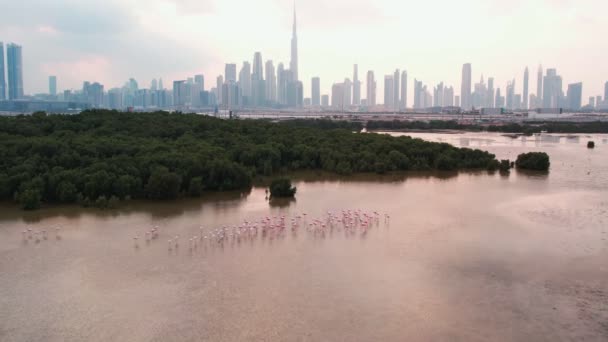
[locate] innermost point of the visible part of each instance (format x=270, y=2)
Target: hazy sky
x=112, y=40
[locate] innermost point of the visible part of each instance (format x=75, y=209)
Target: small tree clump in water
x=538, y=161
x=282, y=188
x=591, y=144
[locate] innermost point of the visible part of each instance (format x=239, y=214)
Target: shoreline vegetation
x=529, y=128
x=100, y=157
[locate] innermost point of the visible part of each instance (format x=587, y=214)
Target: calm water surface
x=467, y=257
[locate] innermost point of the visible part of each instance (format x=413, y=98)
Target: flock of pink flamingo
x=349, y=222
x=38, y=235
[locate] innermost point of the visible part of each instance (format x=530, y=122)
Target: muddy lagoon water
x=463, y=257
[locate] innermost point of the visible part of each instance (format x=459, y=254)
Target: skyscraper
x=2, y=79
x=325, y=100
x=417, y=88
x=438, y=95
x=448, y=96
x=356, y=86
x=511, y=95
x=465, y=87
x=281, y=84
x=575, y=96
x=230, y=73
x=403, y=102
x=337, y=96
x=258, y=87
x=53, y=85
x=348, y=92
x=389, y=92
x=258, y=69
x=14, y=64
x=219, y=85
x=606, y=92
x=245, y=83
x=396, y=92
x=271, y=82
x=196, y=90
x=293, y=65
x=539, y=87
x=316, y=91
x=525, y=99
x=179, y=88
x=371, y=89
x=490, y=97
x=552, y=89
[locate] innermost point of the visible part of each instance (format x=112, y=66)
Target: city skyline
x=444, y=69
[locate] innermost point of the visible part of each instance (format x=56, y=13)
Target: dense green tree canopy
x=114, y=155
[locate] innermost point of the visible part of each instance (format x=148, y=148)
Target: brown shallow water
x=467, y=257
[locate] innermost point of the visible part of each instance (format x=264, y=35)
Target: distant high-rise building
x=14, y=63
x=245, y=83
x=591, y=101
x=230, y=73
x=517, y=101
x=438, y=95
x=525, y=95
x=575, y=96
x=337, y=96
x=2, y=77
x=271, y=83
x=348, y=92
x=490, y=95
x=598, y=101
x=258, y=69
x=219, y=86
x=258, y=86
x=396, y=90
x=417, y=90
x=606, y=92
x=479, y=96
x=160, y=84
x=53, y=85
x=403, y=100
x=324, y=100
x=448, y=96
x=465, y=87
x=293, y=65
x=282, y=84
x=153, y=84
x=511, y=95
x=2, y=74
x=552, y=89
x=295, y=94
x=356, y=86
x=93, y=94
x=389, y=92
x=539, y=87
x=533, y=99
x=316, y=91
x=457, y=101
x=196, y=90
x=371, y=89
x=499, y=102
